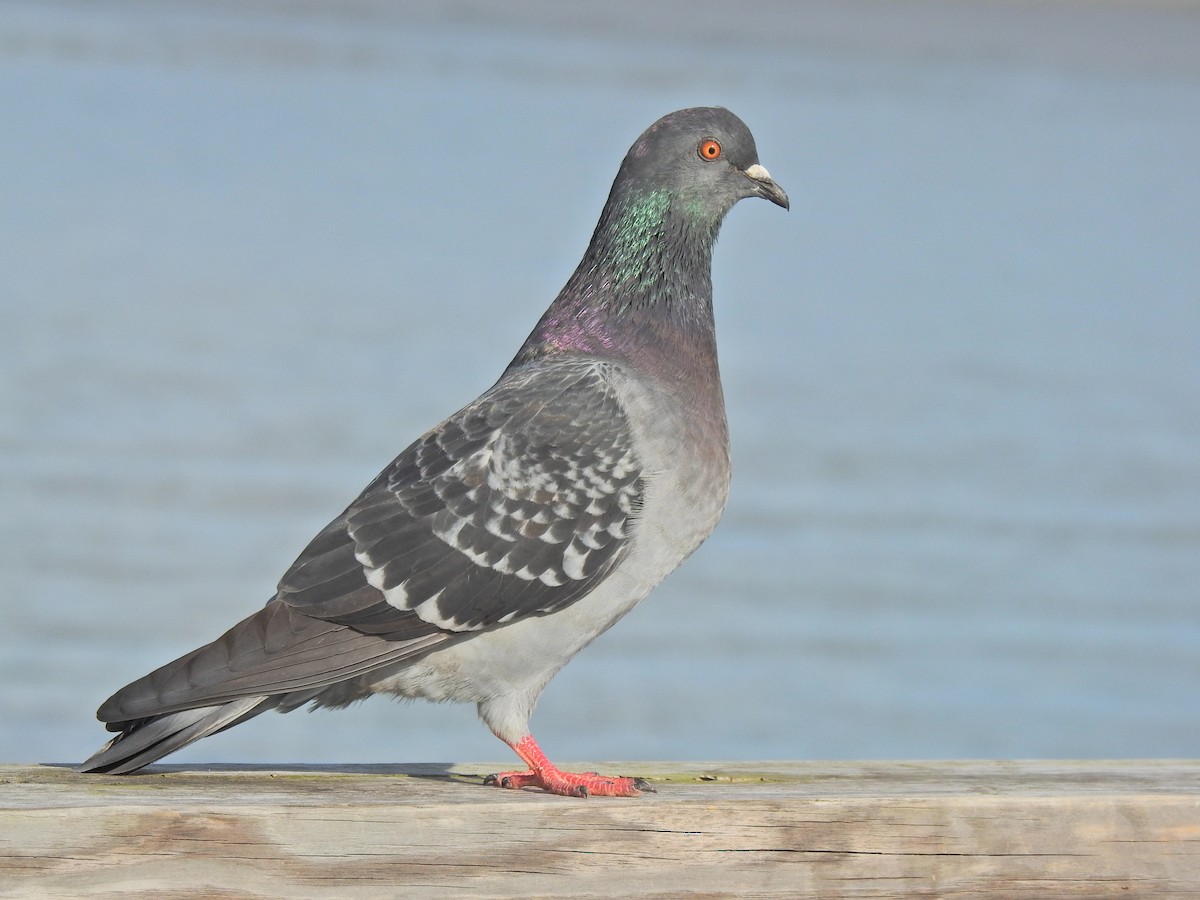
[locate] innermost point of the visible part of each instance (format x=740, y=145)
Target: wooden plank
x=889, y=829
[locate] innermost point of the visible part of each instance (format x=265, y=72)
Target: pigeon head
x=645, y=280
x=703, y=158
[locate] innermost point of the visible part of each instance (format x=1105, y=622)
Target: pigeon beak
x=764, y=186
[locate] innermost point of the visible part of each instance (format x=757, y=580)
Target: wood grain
x=888, y=829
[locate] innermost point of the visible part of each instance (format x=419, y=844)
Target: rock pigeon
x=506, y=539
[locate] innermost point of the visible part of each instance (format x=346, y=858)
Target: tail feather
x=144, y=741
x=275, y=658
x=277, y=650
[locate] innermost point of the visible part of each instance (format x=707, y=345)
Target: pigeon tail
x=146, y=740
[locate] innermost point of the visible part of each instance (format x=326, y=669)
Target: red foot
x=571, y=784
x=545, y=775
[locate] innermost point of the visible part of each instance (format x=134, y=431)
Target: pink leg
x=545, y=775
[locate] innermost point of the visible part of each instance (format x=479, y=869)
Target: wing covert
x=517, y=505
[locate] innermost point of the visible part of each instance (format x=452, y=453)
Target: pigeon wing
x=517, y=505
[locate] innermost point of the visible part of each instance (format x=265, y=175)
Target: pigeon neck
x=644, y=284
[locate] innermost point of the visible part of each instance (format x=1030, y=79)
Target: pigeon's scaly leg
x=545, y=775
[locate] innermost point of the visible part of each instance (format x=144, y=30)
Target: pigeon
x=507, y=538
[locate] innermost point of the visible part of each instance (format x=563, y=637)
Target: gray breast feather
x=517, y=505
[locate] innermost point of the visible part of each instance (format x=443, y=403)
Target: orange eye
x=709, y=149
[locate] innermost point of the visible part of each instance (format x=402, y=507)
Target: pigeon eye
x=709, y=149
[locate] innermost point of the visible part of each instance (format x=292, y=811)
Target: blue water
x=248, y=255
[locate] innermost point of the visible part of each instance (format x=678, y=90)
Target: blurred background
x=250, y=250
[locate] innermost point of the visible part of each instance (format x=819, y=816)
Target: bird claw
x=570, y=784
x=547, y=776
x=512, y=780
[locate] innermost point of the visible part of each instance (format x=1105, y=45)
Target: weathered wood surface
x=887, y=829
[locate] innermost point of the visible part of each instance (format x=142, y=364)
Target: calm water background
x=249, y=253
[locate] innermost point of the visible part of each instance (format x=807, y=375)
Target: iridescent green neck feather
x=645, y=279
